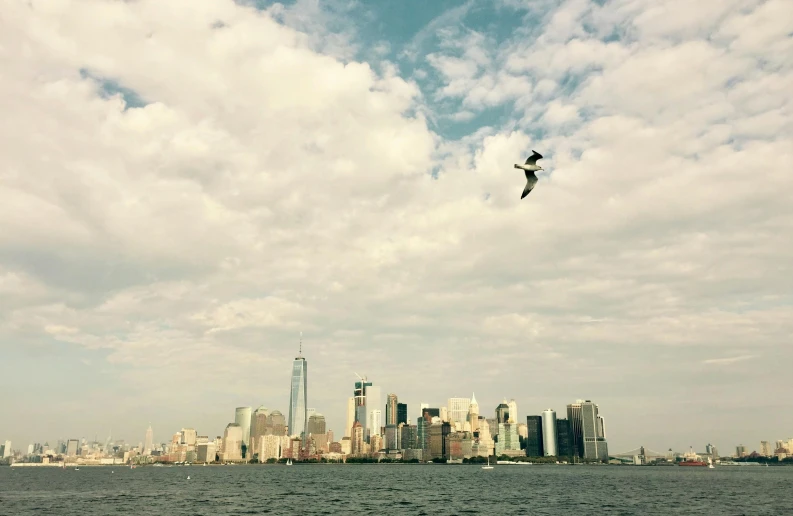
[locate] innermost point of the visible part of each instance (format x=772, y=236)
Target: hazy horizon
x=187, y=185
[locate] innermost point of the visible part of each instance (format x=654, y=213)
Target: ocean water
x=395, y=489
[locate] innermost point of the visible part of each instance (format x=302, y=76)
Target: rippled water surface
x=395, y=489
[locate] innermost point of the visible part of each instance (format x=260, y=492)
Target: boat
x=77, y=469
x=488, y=464
x=288, y=462
x=692, y=463
x=710, y=464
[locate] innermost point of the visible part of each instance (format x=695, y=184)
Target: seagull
x=530, y=167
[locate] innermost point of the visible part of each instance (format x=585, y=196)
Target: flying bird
x=530, y=167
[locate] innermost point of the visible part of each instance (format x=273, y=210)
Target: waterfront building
x=459, y=445
x=458, y=409
x=298, y=397
x=205, y=452
x=350, y=416
x=549, y=432
x=269, y=447
x=565, y=446
x=740, y=451
x=316, y=424
x=534, y=441
x=444, y=414
x=765, y=449
x=588, y=430
x=71, y=447
x=402, y=413
x=391, y=410
x=232, y=443
x=149, y=441
x=374, y=412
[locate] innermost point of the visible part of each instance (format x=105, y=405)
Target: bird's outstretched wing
x=533, y=158
x=531, y=180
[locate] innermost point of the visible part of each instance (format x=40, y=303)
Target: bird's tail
x=516, y=165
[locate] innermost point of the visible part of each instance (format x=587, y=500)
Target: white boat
x=288, y=462
x=488, y=464
x=710, y=464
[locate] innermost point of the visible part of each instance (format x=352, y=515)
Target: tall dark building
x=423, y=434
x=564, y=439
x=402, y=413
x=576, y=426
x=409, y=437
x=534, y=437
x=502, y=413
x=433, y=412
x=588, y=429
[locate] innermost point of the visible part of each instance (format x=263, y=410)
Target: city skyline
x=187, y=185
x=584, y=424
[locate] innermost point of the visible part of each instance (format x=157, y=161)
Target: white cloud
x=273, y=184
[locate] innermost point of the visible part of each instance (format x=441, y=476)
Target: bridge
x=644, y=454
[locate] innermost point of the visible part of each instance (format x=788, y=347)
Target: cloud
x=726, y=361
x=271, y=181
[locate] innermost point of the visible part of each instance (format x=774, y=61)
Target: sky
x=185, y=186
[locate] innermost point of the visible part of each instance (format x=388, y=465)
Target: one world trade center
x=298, y=397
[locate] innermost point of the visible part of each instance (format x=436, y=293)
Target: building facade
x=549, y=432
x=534, y=446
x=298, y=397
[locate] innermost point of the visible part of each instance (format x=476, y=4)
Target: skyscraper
x=298, y=398
x=258, y=427
x=502, y=412
x=359, y=394
x=513, y=410
x=232, y=443
x=391, y=409
x=350, y=416
x=473, y=414
x=592, y=432
x=458, y=412
x=576, y=426
x=534, y=446
x=549, y=432
x=374, y=411
x=402, y=413
x=316, y=424
x=564, y=439
x=149, y=441
x=242, y=416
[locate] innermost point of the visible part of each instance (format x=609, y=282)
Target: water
x=394, y=489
